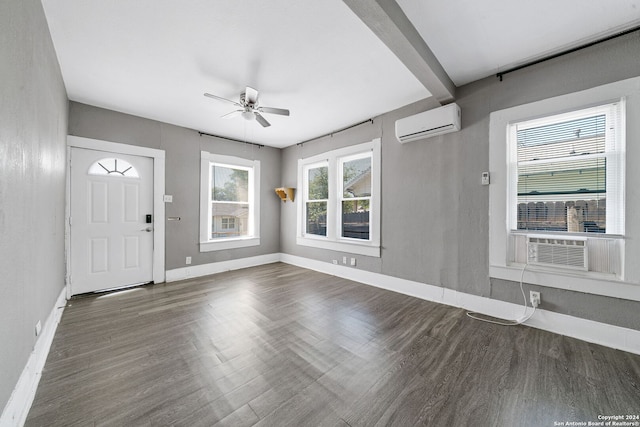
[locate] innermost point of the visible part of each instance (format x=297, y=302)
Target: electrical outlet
x=187, y=260
x=344, y=260
x=353, y=262
x=534, y=297
x=335, y=262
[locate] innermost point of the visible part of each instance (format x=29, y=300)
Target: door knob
x=148, y=229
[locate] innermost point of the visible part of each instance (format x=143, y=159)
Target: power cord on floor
x=505, y=322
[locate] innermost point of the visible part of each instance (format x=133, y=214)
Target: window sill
x=352, y=247
x=225, y=244
x=579, y=281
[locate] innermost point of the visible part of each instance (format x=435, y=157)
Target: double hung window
x=559, y=195
x=567, y=172
x=317, y=198
x=355, y=196
x=229, y=202
x=340, y=203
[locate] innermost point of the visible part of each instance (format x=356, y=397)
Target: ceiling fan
x=249, y=108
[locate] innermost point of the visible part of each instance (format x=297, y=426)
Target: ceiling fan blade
x=251, y=95
x=222, y=99
x=232, y=114
x=261, y=120
x=271, y=110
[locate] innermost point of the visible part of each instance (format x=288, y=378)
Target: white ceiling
x=156, y=58
x=474, y=39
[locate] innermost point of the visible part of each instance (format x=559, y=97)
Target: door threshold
x=113, y=290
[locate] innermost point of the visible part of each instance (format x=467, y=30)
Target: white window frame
x=334, y=240
x=340, y=193
x=614, y=155
x=207, y=244
x=626, y=284
x=305, y=196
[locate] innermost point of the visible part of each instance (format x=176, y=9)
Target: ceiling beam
x=387, y=20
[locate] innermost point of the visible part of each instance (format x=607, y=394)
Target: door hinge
x=70, y=279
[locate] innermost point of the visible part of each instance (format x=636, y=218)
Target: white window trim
x=253, y=239
x=614, y=155
x=622, y=286
x=340, y=193
x=333, y=240
x=305, y=194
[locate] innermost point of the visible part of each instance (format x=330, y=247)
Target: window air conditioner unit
x=559, y=252
x=430, y=123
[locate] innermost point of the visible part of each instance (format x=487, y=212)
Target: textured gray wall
x=182, y=149
x=33, y=127
x=438, y=180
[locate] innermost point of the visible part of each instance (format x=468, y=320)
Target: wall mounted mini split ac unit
x=429, y=123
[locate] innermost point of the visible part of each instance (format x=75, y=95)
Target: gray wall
x=438, y=180
x=182, y=149
x=33, y=127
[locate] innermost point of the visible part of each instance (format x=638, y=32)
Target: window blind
x=570, y=172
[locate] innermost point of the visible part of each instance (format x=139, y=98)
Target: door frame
x=158, y=157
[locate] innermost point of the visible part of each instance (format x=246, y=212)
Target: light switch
x=485, y=178
x=168, y=198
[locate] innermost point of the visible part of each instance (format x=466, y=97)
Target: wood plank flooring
x=278, y=345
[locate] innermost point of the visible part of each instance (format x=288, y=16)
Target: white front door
x=111, y=222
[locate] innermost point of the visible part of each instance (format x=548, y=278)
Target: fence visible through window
x=571, y=216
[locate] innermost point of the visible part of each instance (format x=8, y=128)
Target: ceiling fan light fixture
x=249, y=108
x=248, y=115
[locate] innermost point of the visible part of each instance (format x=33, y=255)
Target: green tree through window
x=318, y=179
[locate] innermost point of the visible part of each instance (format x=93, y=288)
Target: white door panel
x=111, y=243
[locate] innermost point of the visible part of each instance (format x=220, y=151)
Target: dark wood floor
x=278, y=345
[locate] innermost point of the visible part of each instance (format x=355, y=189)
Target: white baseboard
x=219, y=267
x=17, y=408
x=587, y=330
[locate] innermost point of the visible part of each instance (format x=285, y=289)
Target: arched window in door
x=113, y=167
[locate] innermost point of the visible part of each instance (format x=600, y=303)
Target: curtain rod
x=230, y=139
x=566, y=52
x=299, y=144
